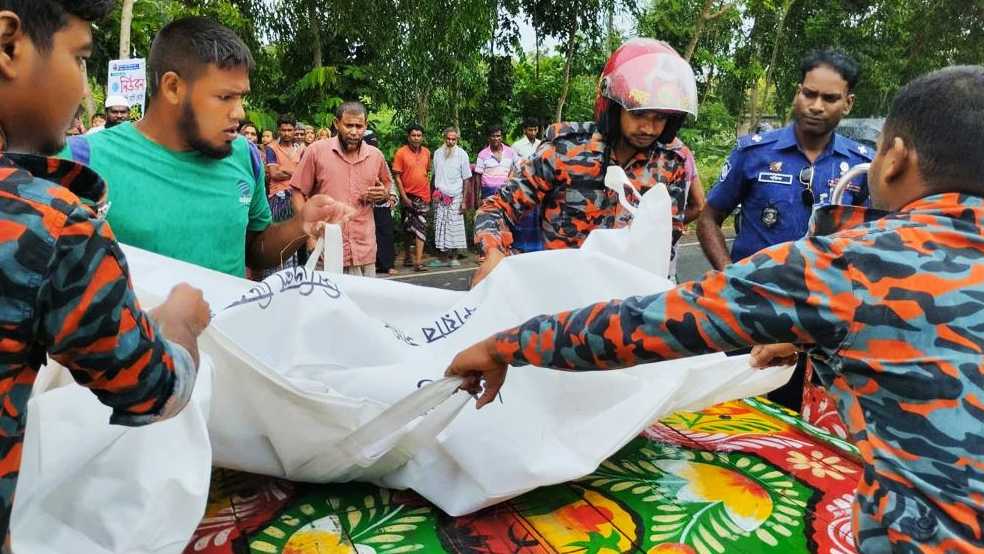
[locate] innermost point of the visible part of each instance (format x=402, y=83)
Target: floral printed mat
x=741, y=477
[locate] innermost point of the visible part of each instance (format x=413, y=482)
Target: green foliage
x=895, y=40
x=444, y=62
x=98, y=91
x=711, y=136
x=263, y=119
x=536, y=90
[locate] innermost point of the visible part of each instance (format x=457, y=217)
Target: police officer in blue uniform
x=778, y=177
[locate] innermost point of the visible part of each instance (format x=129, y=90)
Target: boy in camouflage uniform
x=64, y=285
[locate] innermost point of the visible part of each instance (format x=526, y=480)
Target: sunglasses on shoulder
x=806, y=179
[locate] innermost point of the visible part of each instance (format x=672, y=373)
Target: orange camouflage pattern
x=565, y=178
x=65, y=293
x=890, y=310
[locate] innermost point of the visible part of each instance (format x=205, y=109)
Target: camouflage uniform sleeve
x=529, y=184
x=678, y=180
x=800, y=292
x=91, y=323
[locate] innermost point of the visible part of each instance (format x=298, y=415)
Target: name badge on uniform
x=775, y=178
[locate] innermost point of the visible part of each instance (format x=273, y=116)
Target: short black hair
x=415, y=127
x=188, y=45
x=41, y=19
x=531, y=122
x=941, y=115
x=493, y=129
x=847, y=67
x=98, y=114
x=286, y=119
x=353, y=108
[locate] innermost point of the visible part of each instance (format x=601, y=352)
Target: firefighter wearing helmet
x=644, y=94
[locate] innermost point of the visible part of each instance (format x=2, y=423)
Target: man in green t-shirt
x=182, y=181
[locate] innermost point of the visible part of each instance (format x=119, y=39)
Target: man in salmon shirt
x=352, y=172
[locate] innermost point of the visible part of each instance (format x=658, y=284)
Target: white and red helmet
x=647, y=74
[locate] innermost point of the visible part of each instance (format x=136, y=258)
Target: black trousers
x=385, y=236
x=789, y=395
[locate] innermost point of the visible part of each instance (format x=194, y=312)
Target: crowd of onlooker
x=429, y=194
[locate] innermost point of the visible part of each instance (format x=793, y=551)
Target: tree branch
x=724, y=9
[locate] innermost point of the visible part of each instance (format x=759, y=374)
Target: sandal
x=407, y=262
x=420, y=268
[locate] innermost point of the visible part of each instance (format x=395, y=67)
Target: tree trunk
x=315, y=32
x=753, y=107
x=126, y=18
x=455, y=120
x=87, y=102
x=705, y=16
x=567, y=66
x=609, y=28
x=698, y=30
x=772, y=61
x=423, y=105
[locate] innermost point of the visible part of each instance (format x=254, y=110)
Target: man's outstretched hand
x=476, y=364
x=774, y=355
x=321, y=209
x=182, y=317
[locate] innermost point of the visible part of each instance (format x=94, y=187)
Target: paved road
x=692, y=264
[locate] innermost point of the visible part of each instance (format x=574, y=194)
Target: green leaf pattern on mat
x=708, y=502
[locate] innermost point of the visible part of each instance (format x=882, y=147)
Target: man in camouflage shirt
x=888, y=304
x=646, y=91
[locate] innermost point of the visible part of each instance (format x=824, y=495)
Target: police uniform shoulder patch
x=753, y=140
